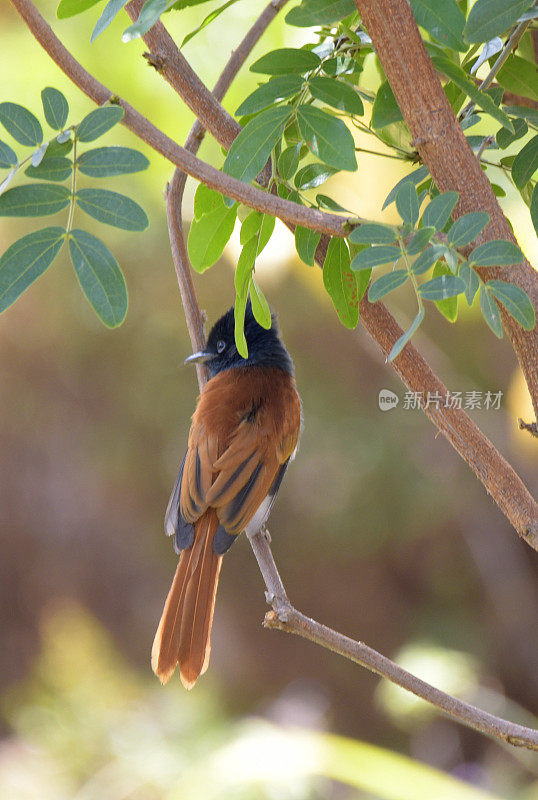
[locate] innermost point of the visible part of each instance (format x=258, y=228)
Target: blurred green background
x=380, y=530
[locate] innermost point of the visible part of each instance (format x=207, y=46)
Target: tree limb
x=176, y=188
x=442, y=146
x=285, y=617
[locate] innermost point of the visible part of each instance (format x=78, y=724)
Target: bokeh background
x=380, y=530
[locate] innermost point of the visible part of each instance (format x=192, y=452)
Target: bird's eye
x=221, y=346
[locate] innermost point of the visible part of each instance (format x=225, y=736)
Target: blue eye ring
x=221, y=345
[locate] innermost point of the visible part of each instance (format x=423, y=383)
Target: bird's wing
x=252, y=466
x=239, y=448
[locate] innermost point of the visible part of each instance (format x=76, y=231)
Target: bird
x=244, y=433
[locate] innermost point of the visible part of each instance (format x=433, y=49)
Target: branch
x=442, y=146
x=176, y=188
x=510, y=45
x=285, y=617
x=311, y=218
x=489, y=466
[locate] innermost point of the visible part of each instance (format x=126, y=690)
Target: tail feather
x=184, y=633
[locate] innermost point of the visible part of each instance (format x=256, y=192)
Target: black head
x=265, y=348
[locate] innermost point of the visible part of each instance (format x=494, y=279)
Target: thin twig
x=285, y=617
x=510, y=45
x=176, y=188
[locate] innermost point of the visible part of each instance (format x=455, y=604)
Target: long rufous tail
x=184, y=633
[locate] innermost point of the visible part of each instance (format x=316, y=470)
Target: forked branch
x=284, y=616
x=498, y=477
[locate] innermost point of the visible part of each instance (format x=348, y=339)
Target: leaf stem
x=73, y=190
x=511, y=43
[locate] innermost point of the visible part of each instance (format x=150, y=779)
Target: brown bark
x=445, y=151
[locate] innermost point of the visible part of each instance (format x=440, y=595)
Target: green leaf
x=206, y=200
x=534, y=208
x=319, y=12
x=414, y=177
x=420, y=240
x=68, y=8
x=56, y=108
x=438, y=211
x=250, y=150
x=372, y=233
x=266, y=231
x=245, y=265
x=387, y=283
x=313, y=175
x=260, y=306
x=306, y=242
x=525, y=163
x=467, y=228
x=490, y=312
x=288, y=161
x=151, y=11
x=407, y=203
x=21, y=124
x=239, y=317
x=375, y=257
x=209, y=235
x=327, y=137
x=442, y=19
x=34, y=200
x=337, y=94
x=505, y=137
x=98, y=122
x=331, y=205
x=250, y=226
x=273, y=91
x=519, y=76
x=100, y=277
x=461, y=79
x=55, y=168
x=105, y=162
x=206, y=21
x=426, y=259
x=286, y=60
x=363, y=280
x=26, y=260
x=341, y=283
x=523, y=112
x=112, y=8
x=8, y=157
x=442, y=287
x=496, y=253
x=471, y=281
x=448, y=307
x=112, y=209
x=516, y=302
x=490, y=18
x=385, y=110
x=399, y=345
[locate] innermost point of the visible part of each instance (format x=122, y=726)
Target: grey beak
x=199, y=358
